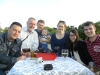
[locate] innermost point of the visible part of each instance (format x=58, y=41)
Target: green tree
x=0, y=30
x=70, y=27
x=5, y=29
x=97, y=24
x=51, y=30
x=81, y=32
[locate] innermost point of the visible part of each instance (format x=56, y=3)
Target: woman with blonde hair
x=58, y=40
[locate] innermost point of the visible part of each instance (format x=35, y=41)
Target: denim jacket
x=8, y=53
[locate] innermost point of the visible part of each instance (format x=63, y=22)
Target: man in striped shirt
x=93, y=42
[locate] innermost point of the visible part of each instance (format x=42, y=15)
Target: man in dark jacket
x=10, y=47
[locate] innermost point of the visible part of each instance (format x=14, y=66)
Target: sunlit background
x=74, y=12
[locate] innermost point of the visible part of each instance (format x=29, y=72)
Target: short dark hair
x=88, y=23
x=15, y=23
x=42, y=21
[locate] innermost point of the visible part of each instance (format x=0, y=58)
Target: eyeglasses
x=71, y=35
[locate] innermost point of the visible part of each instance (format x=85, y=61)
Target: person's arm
x=83, y=53
x=6, y=59
x=45, y=40
x=89, y=58
x=87, y=53
x=52, y=43
x=18, y=54
x=9, y=60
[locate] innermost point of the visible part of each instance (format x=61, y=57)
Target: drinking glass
x=57, y=48
x=32, y=52
x=65, y=53
x=35, y=52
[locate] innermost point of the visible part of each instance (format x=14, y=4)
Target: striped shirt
x=94, y=50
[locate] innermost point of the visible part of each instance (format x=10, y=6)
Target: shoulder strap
x=25, y=38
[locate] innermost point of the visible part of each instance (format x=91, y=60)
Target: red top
x=94, y=50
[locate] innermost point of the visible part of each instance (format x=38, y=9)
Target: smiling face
x=14, y=32
x=31, y=24
x=72, y=36
x=89, y=30
x=40, y=26
x=61, y=27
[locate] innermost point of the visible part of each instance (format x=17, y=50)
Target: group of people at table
x=18, y=38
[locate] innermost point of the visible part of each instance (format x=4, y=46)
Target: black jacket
x=8, y=53
x=82, y=51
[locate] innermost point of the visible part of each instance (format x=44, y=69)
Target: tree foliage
x=81, y=32
x=51, y=30
x=97, y=24
x=5, y=29
x=1, y=30
x=70, y=27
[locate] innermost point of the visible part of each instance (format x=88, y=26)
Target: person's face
x=40, y=26
x=31, y=24
x=89, y=30
x=14, y=32
x=61, y=27
x=44, y=32
x=72, y=36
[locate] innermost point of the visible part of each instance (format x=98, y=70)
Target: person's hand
x=56, y=48
x=91, y=66
x=49, y=37
x=92, y=69
x=27, y=54
x=21, y=58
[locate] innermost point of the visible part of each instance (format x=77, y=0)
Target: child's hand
x=49, y=37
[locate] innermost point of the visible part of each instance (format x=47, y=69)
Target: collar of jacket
x=6, y=40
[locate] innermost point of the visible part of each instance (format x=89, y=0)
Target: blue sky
x=73, y=12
